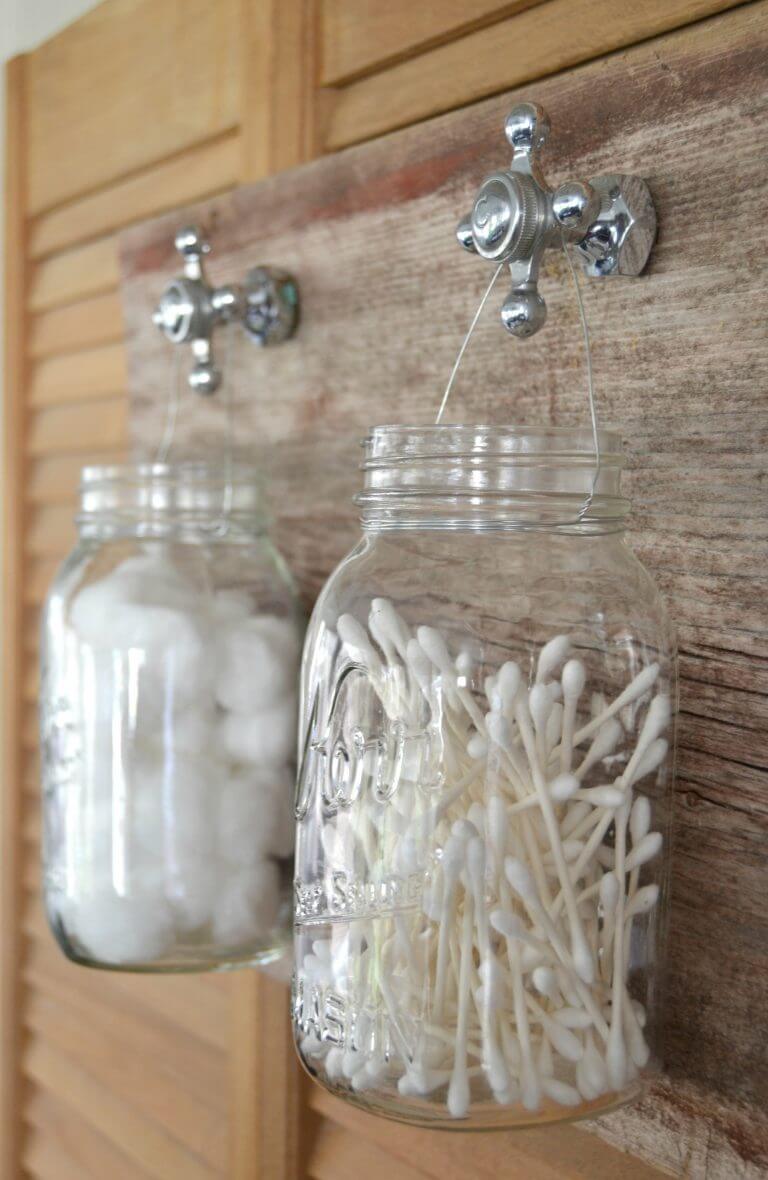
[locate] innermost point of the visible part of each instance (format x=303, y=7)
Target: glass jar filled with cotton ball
x=484, y=794
x=171, y=645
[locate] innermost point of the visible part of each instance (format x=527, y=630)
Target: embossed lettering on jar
x=171, y=644
x=483, y=802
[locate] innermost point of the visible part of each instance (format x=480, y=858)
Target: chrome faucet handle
x=190, y=308
x=516, y=216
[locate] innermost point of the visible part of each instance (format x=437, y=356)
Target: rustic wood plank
x=191, y=175
x=78, y=376
x=358, y=36
x=13, y=475
x=150, y=1147
x=146, y=110
x=536, y=42
x=74, y=274
x=97, y=426
x=669, y=378
x=94, y=321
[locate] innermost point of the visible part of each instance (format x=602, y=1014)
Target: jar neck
x=492, y=478
x=189, y=501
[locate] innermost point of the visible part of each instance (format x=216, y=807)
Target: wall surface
x=141, y=108
x=383, y=312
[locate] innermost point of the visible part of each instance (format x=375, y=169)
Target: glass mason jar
x=484, y=791
x=170, y=653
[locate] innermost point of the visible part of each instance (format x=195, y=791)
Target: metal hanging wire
x=583, y=511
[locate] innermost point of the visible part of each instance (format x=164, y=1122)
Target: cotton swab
x=511, y=968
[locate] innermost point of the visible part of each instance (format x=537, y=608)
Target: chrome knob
x=190, y=308
x=516, y=216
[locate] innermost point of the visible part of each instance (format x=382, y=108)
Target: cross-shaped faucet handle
x=190, y=308
x=516, y=216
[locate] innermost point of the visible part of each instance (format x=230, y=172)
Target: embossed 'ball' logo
x=354, y=746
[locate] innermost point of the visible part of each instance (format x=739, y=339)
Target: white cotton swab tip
x=458, y=1094
x=551, y=656
x=651, y=759
x=640, y=818
x=432, y=642
x=607, y=738
x=608, y=891
x=563, y=787
x=648, y=847
x=540, y=705
x=545, y=981
x=519, y=878
x=573, y=679
x=560, y=1092
x=508, y=924
x=508, y=683
x=498, y=730
x=477, y=747
x=355, y=636
x=603, y=796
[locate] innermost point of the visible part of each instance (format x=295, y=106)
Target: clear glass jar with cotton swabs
x=171, y=644
x=483, y=804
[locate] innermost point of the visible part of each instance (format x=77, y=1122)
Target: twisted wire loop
x=584, y=510
x=222, y=527
x=171, y=409
x=165, y=445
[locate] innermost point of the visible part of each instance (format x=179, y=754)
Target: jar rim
x=191, y=491
x=488, y=476
x=487, y=438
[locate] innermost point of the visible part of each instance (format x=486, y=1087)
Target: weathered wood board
x=680, y=358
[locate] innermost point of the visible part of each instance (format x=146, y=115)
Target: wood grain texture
x=358, y=36
x=679, y=357
x=190, y=175
x=13, y=475
x=537, y=42
x=125, y=86
x=279, y=111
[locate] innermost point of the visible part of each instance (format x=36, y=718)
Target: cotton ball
x=256, y=663
x=255, y=816
x=155, y=620
x=190, y=730
x=153, y=579
x=247, y=905
x=231, y=606
x=193, y=893
x=267, y=738
x=120, y=930
x=171, y=806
